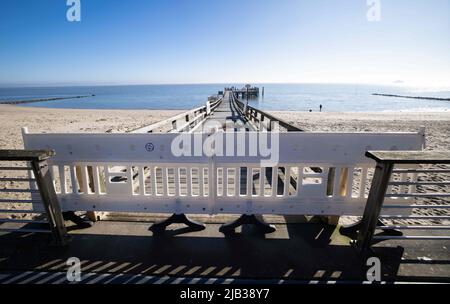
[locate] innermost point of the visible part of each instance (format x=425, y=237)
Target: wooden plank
x=50, y=200
x=440, y=171
x=22, y=230
x=15, y=168
x=410, y=157
x=415, y=227
x=411, y=237
x=19, y=211
x=168, y=122
x=419, y=183
x=20, y=201
x=19, y=190
x=419, y=195
x=416, y=206
x=26, y=155
x=14, y=179
x=21, y=221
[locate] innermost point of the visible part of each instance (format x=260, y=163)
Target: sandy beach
x=12, y=118
x=437, y=124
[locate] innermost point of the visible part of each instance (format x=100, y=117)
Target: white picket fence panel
x=317, y=173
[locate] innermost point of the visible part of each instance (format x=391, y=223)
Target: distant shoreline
x=412, y=97
x=14, y=102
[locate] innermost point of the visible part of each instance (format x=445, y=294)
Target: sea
x=285, y=97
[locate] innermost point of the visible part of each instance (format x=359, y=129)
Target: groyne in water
x=14, y=102
x=412, y=97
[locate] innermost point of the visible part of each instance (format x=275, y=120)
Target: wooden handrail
x=252, y=112
x=169, y=121
x=26, y=155
x=41, y=170
x=380, y=183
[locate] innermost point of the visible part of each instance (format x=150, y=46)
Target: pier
x=230, y=114
x=227, y=111
x=246, y=92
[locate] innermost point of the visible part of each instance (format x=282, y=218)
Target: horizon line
x=52, y=85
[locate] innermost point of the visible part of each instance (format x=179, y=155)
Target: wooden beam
x=374, y=205
x=410, y=157
x=50, y=201
x=26, y=155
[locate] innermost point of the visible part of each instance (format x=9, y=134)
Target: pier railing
x=264, y=120
x=398, y=169
x=183, y=122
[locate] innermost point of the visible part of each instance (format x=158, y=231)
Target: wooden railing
x=380, y=190
x=264, y=120
x=183, y=122
x=39, y=175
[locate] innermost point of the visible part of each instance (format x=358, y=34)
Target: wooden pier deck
x=229, y=115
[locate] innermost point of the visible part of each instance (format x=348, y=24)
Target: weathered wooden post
x=51, y=204
x=383, y=171
x=44, y=181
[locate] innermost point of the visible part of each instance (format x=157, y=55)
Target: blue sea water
x=298, y=97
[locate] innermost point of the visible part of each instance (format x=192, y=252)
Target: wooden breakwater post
x=412, y=97
x=14, y=102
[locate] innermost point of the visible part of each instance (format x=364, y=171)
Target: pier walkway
x=225, y=112
x=229, y=115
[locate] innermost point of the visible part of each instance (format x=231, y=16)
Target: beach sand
x=12, y=118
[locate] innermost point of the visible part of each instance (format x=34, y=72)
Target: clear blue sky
x=224, y=41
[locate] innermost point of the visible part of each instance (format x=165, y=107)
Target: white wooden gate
x=317, y=173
